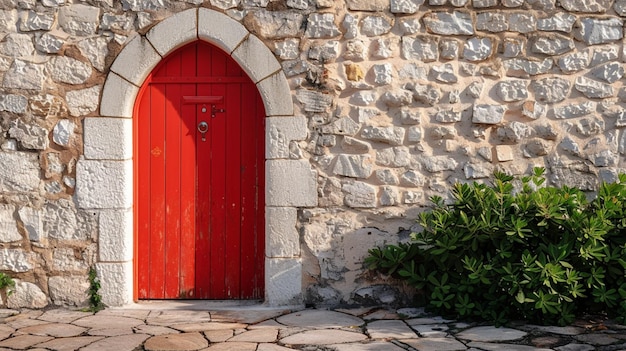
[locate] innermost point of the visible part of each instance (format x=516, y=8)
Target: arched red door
x=199, y=198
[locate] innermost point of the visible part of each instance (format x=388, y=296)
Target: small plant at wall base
x=95, y=300
x=532, y=252
x=6, y=284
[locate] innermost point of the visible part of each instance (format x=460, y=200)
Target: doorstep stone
x=490, y=333
x=176, y=342
x=435, y=344
x=169, y=318
x=323, y=337
x=393, y=329
x=319, y=319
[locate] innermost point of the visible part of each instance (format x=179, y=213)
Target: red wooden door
x=199, y=154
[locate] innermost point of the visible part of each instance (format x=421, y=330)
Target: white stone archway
x=105, y=171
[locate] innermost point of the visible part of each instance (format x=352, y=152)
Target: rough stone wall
x=402, y=99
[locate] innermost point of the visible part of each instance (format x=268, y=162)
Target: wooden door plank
x=172, y=190
x=142, y=244
x=203, y=270
x=218, y=198
x=157, y=191
x=233, y=146
x=188, y=177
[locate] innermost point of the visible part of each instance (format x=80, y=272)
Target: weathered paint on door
x=199, y=157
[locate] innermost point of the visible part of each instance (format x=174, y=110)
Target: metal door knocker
x=203, y=127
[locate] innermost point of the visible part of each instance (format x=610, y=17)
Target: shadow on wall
x=334, y=247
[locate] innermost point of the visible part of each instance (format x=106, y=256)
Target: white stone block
x=280, y=228
x=116, y=282
x=220, y=30
x=27, y=295
x=280, y=132
x=136, y=60
x=174, y=32
x=256, y=59
x=283, y=281
x=290, y=183
x=104, y=184
x=108, y=138
x=116, y=235
x=276, y=95
x=118, y=97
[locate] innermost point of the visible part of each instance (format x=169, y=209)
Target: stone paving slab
x=320, y=319
x=435, y=344
x=323, y=337
x=23, y=342
x=69, y=344
x=57, y=330
x=489, y=333
x=176, y=342
x=390, y=329
x=499, y=347
x=233, y=346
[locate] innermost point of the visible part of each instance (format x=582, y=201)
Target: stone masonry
x=372, y=107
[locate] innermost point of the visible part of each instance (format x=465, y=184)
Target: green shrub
x=532, y=252
x=6, y=284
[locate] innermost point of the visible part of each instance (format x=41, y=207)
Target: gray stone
x=342, y=126
x=298, y=4
x=390, y=329
x=589, y=126
x=8, y=20
x=420, y=48
x=20, y=172
x=552, y=45
x=314, y=101
x=8, y=225
x=359, y=195
x=373, y=26
x=405, y=6
x=349, y=144
x=514, y=132
x=225, y=4
x=491, y=22
x=522, y=22
x=72, y=290
x=478, y=49
x=412, y=178
x=574, y=62
x=397, y=98
x=368, y=5
x=356, y=166
x=575, y=110
x=489, y=333
x=488, y=114
x=355, y=50
x=276, y=24
x=445, y=73
x=383, y=73
x=389, y=196
x=443, y=132
x=31, y=21
x=598, y=6
x=30, y=136
x=350, y=26
x=594, y=31
x=620, y=7
x=287, y=49
x=410, y=117
x=520, y=67
x=561, y=21
x=512, y=90
x=16, y=260
x=501, y=346
x=474, y=89
x=448, y=116
x=323, y=337
x=409, y=26
x=534, y=110
x=455, y=23
x=68, y=70
x=84, y=101
x=537, y=147
x=412, y=197
x=78, y=19
x=475, y=171
x=15, y=103
x=68, y=259
x=575, y=347
x=363, y=98
x=429, y=94
x=449, y=49
x=393, y=157
x=24, y=75
x=32, y=220
x=604, y=54
x=384, y=48
x=610, y=72
x=116, y=23
x=551, y=90
x=62, y=132
x=389, y=135
x=61, y=221
x=326, y=52
x=593, y=89
x=26, y=295
x=437, y=164
x=143, y=5
x=17, y=45
x=96, y=51
x=386, y=176
x=321, y=25
x=415, y=134
x=370, y=346
x=50, y=42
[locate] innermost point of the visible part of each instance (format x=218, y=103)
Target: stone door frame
x=104, y=174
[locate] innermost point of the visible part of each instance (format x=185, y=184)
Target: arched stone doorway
x=105, y=172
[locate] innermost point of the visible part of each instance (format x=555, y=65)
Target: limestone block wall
x=400, y=99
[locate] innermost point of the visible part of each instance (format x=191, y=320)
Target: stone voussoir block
x=209, y=24
x=118, y=97
x=174, y=31
x=136, y=61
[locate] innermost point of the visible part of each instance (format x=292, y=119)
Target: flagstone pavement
x=167, y=326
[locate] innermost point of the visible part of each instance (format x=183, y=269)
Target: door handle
x=203, y=127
